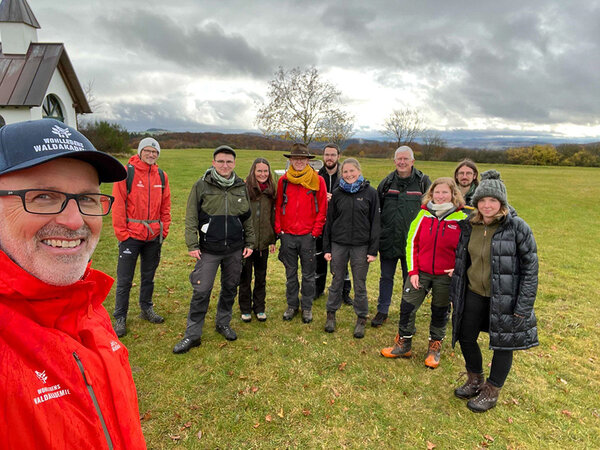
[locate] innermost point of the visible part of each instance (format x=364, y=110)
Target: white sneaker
x=261, y=316
x=246, y=317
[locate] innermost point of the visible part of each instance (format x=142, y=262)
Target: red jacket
x=300, y=215
x=49, y=335
x=146, y=201
x=431, y=242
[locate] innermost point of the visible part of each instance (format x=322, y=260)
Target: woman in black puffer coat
x=493, y=289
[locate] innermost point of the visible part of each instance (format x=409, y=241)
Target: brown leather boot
x=471, y=387
x=330, y=322
x=487, y=398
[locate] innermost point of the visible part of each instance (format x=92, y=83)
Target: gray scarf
x=441, y=209
x=222, y=181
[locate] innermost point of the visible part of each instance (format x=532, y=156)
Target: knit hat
x=490, y=186
x=148, y=142
x=35, y=142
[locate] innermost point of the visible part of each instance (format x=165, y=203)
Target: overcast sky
x=519, y=66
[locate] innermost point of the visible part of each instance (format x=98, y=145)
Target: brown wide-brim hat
x=299, y=151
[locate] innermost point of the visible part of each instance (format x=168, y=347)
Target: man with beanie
x=330, y=173
x=218, y=233
x=400, y=200
x=65, y=377
x=141, y=218
x=300, y=212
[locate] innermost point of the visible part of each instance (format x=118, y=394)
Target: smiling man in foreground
x=65, y=377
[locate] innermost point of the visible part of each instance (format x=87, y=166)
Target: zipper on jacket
x=437, y=229
x=226, y=215
x=88, y=385
x=149, y=192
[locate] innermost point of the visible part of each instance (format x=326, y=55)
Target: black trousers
x=476, y=318
x=129, y=250
x=254, y=299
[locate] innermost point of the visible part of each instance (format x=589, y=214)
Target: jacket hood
x=136, y=162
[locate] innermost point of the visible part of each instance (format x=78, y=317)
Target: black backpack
x=131, y=173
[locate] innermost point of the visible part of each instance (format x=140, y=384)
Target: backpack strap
x=284, y=201
x=131, y=173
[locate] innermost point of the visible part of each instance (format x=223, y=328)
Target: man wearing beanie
x=141, y=218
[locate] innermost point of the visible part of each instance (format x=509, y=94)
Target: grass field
x=291, y=385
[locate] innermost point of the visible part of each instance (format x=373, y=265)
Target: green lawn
x=291, y=385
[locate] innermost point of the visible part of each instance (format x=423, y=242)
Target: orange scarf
x=306, y=177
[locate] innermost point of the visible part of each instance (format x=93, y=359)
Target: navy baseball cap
x=28, y=144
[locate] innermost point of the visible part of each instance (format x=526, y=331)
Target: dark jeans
x=340, y=255
x=412, y=299
x=321, y=271
x=202, y=279
x=476, y=318
x=254, y=300
x=149, y=252
x=386, y=281
x=293, y=247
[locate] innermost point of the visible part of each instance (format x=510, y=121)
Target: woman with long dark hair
x=493, y=290
x=261, y=190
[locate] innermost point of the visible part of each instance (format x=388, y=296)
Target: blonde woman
x=430, y=252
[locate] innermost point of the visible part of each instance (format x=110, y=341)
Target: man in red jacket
x=141, y=218
x=300, y=212
x=65, y=377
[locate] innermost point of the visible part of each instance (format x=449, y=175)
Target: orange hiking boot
x=432, y=360
x=401, y=349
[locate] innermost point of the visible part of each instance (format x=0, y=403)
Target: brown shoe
x=330, y=322
x=359, y=328
x=401, y=349
x=487, y=398
x=432, y=360
x=471, y=387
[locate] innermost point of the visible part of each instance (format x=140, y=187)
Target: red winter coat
x=49, y=335
x=146, y=201
x=431, y=242
x=300, y=215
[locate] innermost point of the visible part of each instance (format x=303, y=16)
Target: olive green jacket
x=217, y=218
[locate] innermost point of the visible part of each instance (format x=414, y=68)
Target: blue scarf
x=354, y=187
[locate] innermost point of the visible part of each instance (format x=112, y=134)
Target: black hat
x=224, y=149
x=299, y=151
x=35, y=142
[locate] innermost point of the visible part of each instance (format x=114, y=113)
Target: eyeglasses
x=46, y=201
x=223, y=162
x=152, y=152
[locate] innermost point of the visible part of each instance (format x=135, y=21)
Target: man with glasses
x=300, y=212
x=218, y=233
x=141, y=218
x=66, y=380
x=465, y=175
x=400, y=200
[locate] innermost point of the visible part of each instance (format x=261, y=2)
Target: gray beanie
x=148, y=142
x=490, y=186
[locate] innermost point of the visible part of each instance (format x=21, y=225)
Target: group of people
x=67, y=372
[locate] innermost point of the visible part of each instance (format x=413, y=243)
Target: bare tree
x=95, y=104
x=403, y=125
x=432, y=139
x=338, y=128
x=299, y=104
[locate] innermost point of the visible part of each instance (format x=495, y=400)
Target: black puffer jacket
x=353, y=219
x=514, y=285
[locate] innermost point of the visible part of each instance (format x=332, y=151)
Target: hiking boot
x=471, y=387
x=121, y=326
x=487, y=398
x=226, y=332
x=359, y=328
x=432, y=360
x=378, y=319
x=289, y=313
x=185, y=345
x=346, y=293
x=330, y=323
x=261, y=316
x=307, y=316
x=401, y=349
x=246, y=317
x=151, y=316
